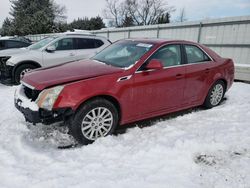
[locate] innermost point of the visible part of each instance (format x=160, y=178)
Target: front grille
x=31, y=93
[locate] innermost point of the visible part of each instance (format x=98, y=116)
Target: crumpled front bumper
x=34, y=114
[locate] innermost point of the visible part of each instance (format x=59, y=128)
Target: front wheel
x=215, y=94
x=97, y=118
x=21, y=70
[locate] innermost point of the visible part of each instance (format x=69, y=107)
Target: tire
x=21, y=70
x=96, y=118
x=215, y=94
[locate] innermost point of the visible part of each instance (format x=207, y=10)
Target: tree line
x=123, y=13
x=45, y=16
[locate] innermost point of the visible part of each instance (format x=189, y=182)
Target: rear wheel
x=21, y=71
x=215, y=94
x=97, y=118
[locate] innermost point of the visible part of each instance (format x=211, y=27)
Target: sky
x=194, y=9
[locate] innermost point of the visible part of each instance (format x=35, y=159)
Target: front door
x=160, y=90
x=65, y=52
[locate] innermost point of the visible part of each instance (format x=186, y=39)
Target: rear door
x=198, y=73
x=159, y=90
x=65, y=52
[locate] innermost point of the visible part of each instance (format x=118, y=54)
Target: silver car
x=50, y=51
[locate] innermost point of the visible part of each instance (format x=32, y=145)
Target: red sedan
x=128, y=81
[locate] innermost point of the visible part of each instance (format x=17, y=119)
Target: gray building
x=229, y=37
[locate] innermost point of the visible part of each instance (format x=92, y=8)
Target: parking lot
x=200, y=148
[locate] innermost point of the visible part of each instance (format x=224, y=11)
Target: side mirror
x=51, y=48
x=154, y=64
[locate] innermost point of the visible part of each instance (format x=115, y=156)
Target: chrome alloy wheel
x=24, y=72
x=97, y=123
x=216, y=94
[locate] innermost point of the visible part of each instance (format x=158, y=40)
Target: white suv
x=50, y=51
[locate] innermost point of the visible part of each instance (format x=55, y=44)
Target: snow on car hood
x=68, y=72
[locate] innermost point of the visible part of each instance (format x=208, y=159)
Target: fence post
x=199, y=32
x=108, y=34
x=158, y=31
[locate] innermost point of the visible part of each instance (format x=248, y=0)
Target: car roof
x=158, y=40
x=72, y=34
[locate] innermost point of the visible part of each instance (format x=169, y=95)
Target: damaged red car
x=130, y=80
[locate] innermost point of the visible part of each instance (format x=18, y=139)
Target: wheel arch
x=27, y=62
x=225, y=82
x=222, y=79
x=109, y=98
x=211, y=85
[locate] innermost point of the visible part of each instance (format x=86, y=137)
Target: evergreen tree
x=34, y=16
x=96, y=23
x=128, y=21
x=164, y=18
x=7, y=28
x=87, y=24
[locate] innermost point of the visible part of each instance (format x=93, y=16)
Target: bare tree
x=147, y=12
x=115, y=12
x=182, y=16
x=143, y=12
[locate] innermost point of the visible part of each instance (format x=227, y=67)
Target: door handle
x=71, y=54
x=179, y=76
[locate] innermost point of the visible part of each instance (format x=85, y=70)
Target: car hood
x=68, y=72
x=11, y=52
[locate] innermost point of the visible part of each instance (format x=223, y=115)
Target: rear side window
x=14, y=44
x=85, y=43
x=195, y=54
x=98, y=43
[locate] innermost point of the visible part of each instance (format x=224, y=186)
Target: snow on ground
x=200, y=148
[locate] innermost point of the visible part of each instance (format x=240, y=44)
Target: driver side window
x=169, y=55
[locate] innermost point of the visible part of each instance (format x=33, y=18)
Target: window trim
x=183, y=56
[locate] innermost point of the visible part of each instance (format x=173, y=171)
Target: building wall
x=229, y=37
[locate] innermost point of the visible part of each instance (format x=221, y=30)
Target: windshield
x=123, y=54
x=41, y=43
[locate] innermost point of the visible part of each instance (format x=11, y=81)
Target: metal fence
x=229, y=37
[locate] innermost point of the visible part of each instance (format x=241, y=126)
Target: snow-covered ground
x=200, y=148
